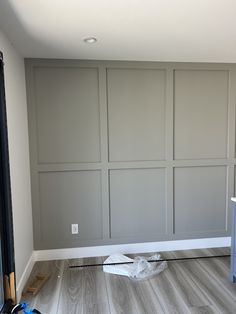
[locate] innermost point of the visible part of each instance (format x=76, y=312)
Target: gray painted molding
x=190, y=115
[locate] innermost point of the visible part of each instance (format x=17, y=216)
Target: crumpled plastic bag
x=140, y=268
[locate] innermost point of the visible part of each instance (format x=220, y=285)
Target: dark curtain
x=6, y=225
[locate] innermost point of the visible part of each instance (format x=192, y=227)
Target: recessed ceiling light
x=90, y=40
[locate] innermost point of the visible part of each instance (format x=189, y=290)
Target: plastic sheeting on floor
x=140, y=268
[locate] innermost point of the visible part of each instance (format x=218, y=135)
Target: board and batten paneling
x=131, y=151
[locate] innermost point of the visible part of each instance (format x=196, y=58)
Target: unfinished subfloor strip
x=151, y=261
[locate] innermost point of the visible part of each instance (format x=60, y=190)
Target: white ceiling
x=160, y=30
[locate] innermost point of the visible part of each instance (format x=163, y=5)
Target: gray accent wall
x=131, y=151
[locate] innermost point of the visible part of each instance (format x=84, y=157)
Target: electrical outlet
x=74, y=228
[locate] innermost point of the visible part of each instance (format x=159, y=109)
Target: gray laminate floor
x=196, y=286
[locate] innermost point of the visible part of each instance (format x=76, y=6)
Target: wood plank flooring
x=194, y=286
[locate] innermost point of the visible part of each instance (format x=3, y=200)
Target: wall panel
x=200, y=199
x=131, y=151
x=67, y=198
x=67, y=114
x=201, y=113
x=137, y=202
x=136, y=114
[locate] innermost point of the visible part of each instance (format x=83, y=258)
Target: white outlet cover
x=74, y=228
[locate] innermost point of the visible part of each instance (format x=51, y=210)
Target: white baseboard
x=43, y=255
x=25, y=276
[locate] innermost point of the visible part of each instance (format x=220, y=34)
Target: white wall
x=19, y=154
